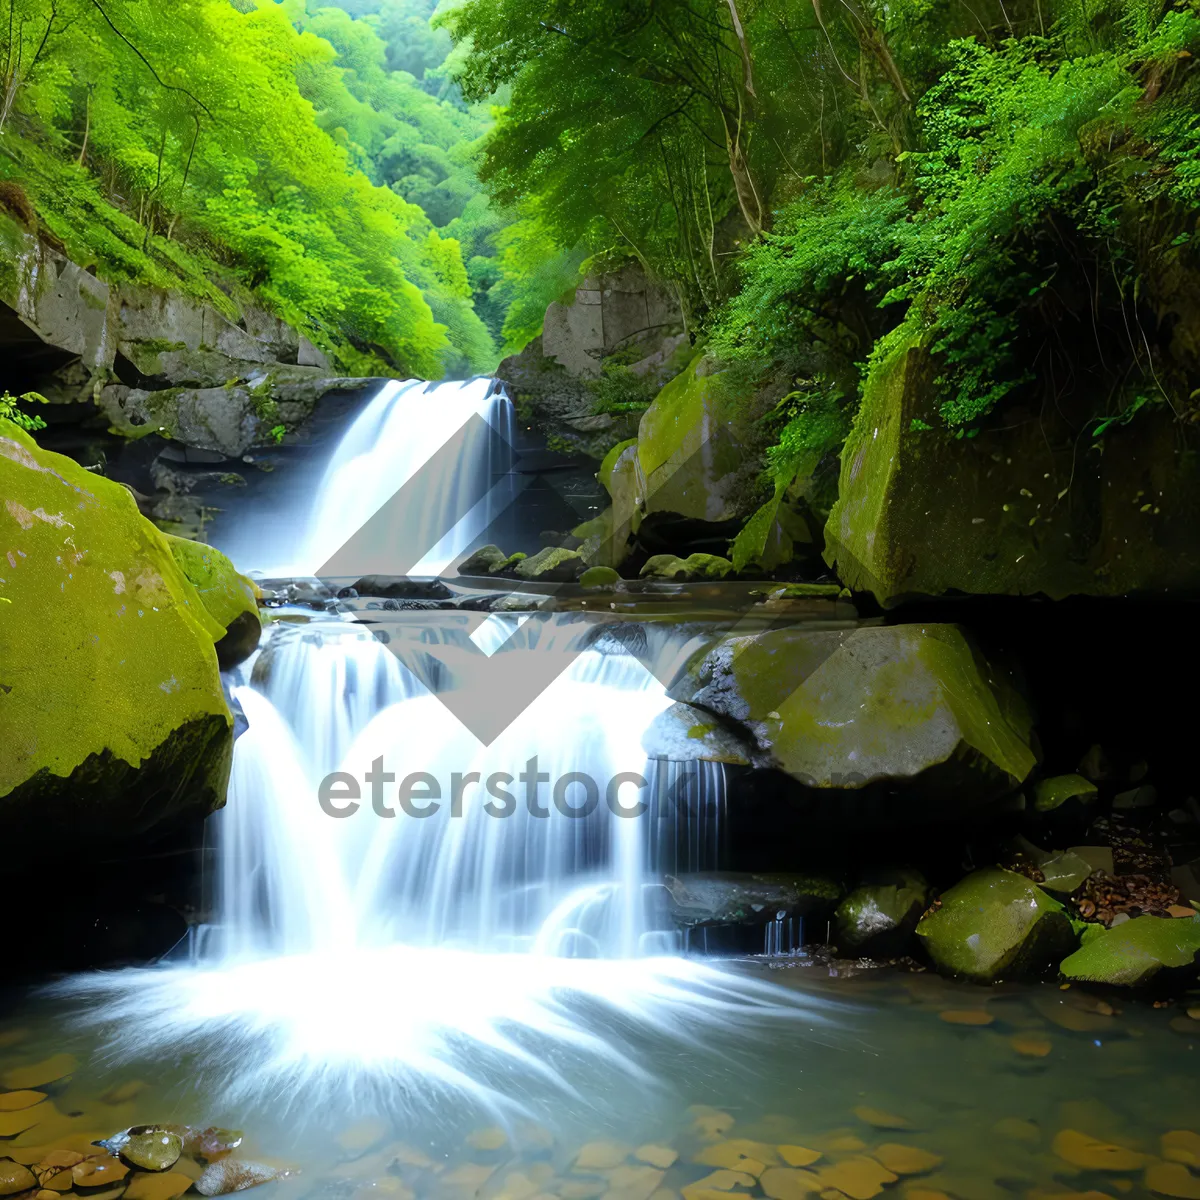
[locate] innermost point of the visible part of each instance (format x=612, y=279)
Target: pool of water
x=901, y=1082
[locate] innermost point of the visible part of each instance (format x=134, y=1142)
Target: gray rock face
x=611, y=313
x=228, y=420
x=214, y=380
x=728, y=898
x=621, y=318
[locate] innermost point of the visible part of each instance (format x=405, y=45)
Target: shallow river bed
x=879, y=1083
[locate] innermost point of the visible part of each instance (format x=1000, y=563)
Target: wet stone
x=662, y=1157
x=788, y=1183
x=15, y=1178
x=1081, y=1150
x=798, y=1156
x=1173, y=1179
x=906, y=1160
x=158, y=1185
x=233, y=1175
x=878, y=1119
x=600, y=1156
x=99, y=1171
x=152, y=1149
x=860, y=1177
x=1182, y=1145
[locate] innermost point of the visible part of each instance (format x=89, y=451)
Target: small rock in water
x=15, y=1178
x=600, y=1156
x=966, y=1016
x=123, y=1092
x=628, y=1182
x=98, y=1171
x=1018, y=1130
x=1091, y=1154
x=906, y=1160
x=878, y=1119
x=662, y=1157
x=152, y=1149
x=490, y=1139
x=709, y=1123
x=1031, y=1047
x=1182, y=1145
x=12, y=1101
x=860, y=1178
x=158, y=1185
x=361, y=1136
x=233, y=1175
x=788, y=1183
x=798, y=1156
x=718, y=1183
x=47, y=1071
x=1173, y=1179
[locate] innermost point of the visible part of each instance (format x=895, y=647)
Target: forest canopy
x=1013, y=183
x=318, y=160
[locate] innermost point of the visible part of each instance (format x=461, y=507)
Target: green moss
x=689, y=451
x=599, y=577
x=695, y=566
x=995, y=925
x=1134, y=952
x=225, y=594
x=879, y=918
x=105, y=646
x=551, y=564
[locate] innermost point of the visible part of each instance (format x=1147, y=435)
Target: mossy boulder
x=914, y=712
x=692, y=458
x=1027, y=505
x=114, y=720
x=606, y=539
x=996, y=925
x=228, y=596
x=551, y=565
x=878, y=918
x=695, y=566
x=599, y=577
x=1134, y=952
x=487, y=560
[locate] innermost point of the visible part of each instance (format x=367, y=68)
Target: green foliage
x=253, y=150
x=30, y=422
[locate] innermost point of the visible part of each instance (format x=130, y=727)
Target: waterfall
x=483, y=927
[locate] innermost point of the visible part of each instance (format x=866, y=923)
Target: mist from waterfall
x=476, y=937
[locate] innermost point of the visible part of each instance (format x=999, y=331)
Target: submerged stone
x=1135, y=951
x=995, y=925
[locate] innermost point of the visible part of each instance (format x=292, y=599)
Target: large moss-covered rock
x=228, y=597
x=110, y=699
x=915, y=709
x=1134, y=952
x=994, y=925
x=1027, y=506
x=691, y=455
x=551, y=565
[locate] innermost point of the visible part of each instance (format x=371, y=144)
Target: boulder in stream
x=912, y=714
x=110, y=698
x=229, y=597
x=994, y=925
x=877, y=919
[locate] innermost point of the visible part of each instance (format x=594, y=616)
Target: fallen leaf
x=12, y=1101
x=98, y=1171
x=718, y=1181
x=600, y=1156
x=21, y=1119
x=1018, y=1130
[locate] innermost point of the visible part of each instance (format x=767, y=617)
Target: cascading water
x=479, y=894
